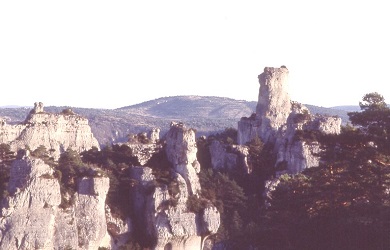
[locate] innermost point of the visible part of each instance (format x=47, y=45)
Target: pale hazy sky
x=109, y=54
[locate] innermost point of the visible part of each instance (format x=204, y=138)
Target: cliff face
x=57, y=132
x=163, y=213
x=32, y=219
x=277, y=120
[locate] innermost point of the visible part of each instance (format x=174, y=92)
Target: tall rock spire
x=274, y=104
x=277, y=119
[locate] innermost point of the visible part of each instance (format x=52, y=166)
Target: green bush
x=197, y=204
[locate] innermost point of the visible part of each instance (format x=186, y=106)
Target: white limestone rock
x=28, y=218
x=181, y=152
x=211, y=220
x=143, y=152
x=229, y=156
x=154, y=135
x=31, y=217
x=248, y=128
x=90, y=211
x=57, y=132
x=274, y=104
x=277, y=120
x=164, y=216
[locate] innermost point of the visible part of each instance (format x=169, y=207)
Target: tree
x=228, y=136
x=70, y=158
x=6, y=155
x=6, y=158
x=373, y=120
x=373, y=101
x=230, y=200
x=344, y=203
x=42, y=153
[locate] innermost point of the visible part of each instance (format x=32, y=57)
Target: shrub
x=197, y=204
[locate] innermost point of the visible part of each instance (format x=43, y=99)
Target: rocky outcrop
x=229, y=157
x=163, y=216
x=57, y=132
x=31, y=217
x=144, y=149
x=274, y=104
x=28, y=219
x=154, y=135
x=181, y=152
x=143, y=152
x=278, y=119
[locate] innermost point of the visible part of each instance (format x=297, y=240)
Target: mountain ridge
x=207, y=114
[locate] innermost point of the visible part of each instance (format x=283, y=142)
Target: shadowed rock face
x=277, y=120
x=57, y=132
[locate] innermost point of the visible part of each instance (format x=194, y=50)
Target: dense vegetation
x=6, y=158
x=344, y=203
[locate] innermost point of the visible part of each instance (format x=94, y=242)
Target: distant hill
x=206, y=114
x=193, y=107
x=348, y=108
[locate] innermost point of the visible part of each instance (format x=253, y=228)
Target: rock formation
x=181, y=151
x=228, y=157
x=31, y=217
x=57, y=132
x=162, y=209
x=277, y=120
x=34, y=216
x=154, y=135
x=144, y=151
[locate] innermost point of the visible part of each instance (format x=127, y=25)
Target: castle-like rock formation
x=277, y=120
x=57, y=132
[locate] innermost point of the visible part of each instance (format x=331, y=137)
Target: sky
x=110, y=54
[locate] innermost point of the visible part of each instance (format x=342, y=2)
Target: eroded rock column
x=181, y=152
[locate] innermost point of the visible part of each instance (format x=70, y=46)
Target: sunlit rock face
x=277, y=120
x=28, y=219
x=31, y=216
x=162, y=213
x=57, y=132
x=274, y=104
x=181, y=152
